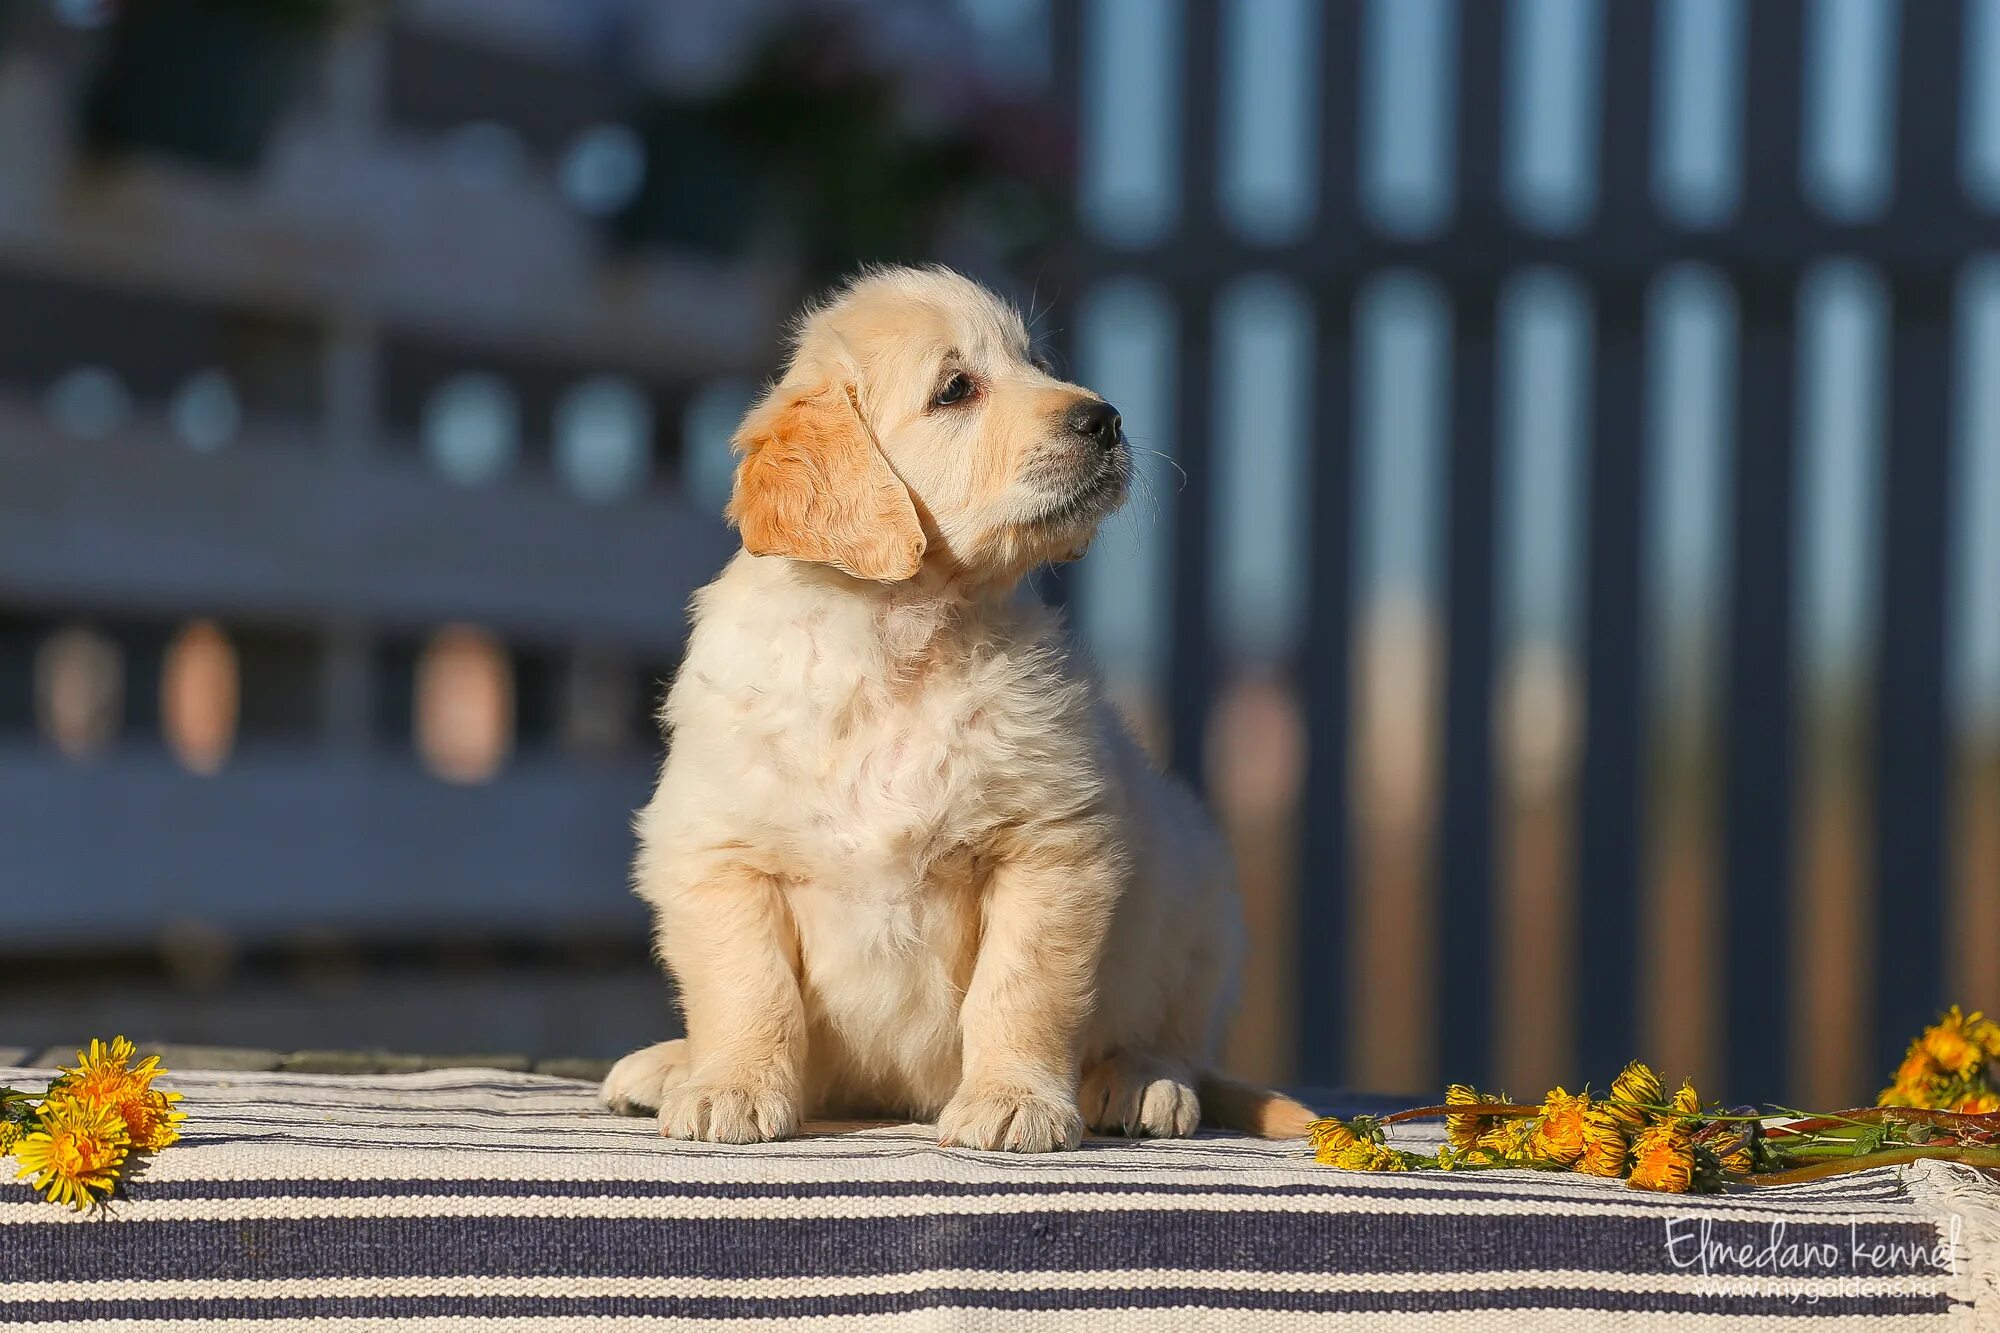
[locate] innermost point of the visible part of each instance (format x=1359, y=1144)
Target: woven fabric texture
x=473, y=1199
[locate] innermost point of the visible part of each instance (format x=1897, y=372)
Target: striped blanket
x=473, y=1199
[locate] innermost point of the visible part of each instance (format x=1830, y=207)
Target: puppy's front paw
x=746, y=1110
x=634, y=1085
x=1009, y=1120
x=1140, y=1096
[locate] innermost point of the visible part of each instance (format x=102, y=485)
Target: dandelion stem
x=1498, y=1110
x=1988, y=1158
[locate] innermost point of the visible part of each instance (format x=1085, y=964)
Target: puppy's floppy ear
x=813, y=486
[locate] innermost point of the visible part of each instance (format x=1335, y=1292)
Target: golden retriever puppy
x=904, y=859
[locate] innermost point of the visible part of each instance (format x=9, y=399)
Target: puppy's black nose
x=1096, y=420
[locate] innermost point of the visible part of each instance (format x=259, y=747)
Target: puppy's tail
x=1248, y=1109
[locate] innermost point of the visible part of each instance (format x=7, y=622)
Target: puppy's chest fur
x=886, y=743
x=874, y=761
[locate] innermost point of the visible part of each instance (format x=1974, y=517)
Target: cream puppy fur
x=904, y=859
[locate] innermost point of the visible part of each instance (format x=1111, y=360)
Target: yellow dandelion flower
x=1919, y=1081
x=10, y=1134
x=1558, y=1133
x=1364, y=1155
x=1358, y=1155
x=1464, y=1130
x=74, y=1154
x=1636, y=1083
x=105, y=1073
x=1986, y=1032
x=105, y=1076
x=1738, y=1162
x=1978, y=1103
x=1918, y=1069
x=1329, y=1138
x=1686, y=1100
x=1955, y=1043
x=1509, y=1141
x=1663, y=1158
x=1604, y=1147
x=151, y=1122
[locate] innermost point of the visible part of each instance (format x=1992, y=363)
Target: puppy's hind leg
x=637, y=1084
x=1150, y=1084
x=1140, y=1095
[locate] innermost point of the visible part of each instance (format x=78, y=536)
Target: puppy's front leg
x=1023, y=1014
x=730, y=942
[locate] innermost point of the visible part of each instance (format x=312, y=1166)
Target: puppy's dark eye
x=956, y=390
x=1042, y=361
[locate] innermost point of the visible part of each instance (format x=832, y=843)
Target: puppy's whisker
x=1146, y=489
x=1166, y=458
x=1141, y=488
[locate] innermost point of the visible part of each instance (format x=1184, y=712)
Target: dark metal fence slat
x=1759, y=727
x=1191, y=650
x=1465, y=872
x=1339, y=221
x=1323, y=942
x=1481, y=108
x=1610, y=793
x=1059, y=287
x=1911, y=750
x=1191, y=674
x=1911, y=753
x=1324, y=815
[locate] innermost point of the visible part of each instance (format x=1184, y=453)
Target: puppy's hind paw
x=1010, y=1120
x=635, y=1084
x=1141, y=1097
x=750, y=1111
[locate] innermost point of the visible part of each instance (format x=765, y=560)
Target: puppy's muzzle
x=1086, y=479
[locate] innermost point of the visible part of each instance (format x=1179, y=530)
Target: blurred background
x=1569, y=559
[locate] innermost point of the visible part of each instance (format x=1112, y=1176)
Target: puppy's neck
x=933, y=617
x=930, y=620
x=922, y=619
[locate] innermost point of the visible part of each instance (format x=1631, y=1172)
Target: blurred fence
x=1569, y=546
x=1656, y=332
x=344, y=530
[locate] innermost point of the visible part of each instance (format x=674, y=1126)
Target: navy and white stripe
x=461, y=1200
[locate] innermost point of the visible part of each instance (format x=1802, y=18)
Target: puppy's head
x=913, y=427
